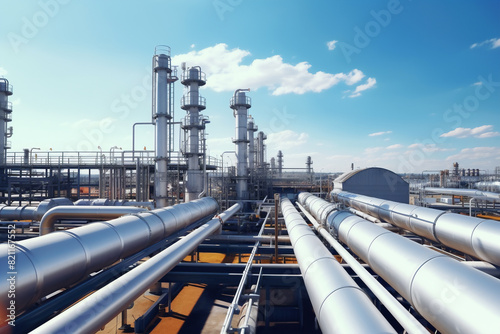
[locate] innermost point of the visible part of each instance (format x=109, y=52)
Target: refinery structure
x=173, y=240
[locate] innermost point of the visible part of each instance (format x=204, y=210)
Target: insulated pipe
x=477, y=194
x=148, y=205
x=249, y=238
x=95, y=311
x=17, y=212
x=398, y=311
x=339, y=303
x=485, y=267
x=82, y=212
x=57, y=260
x=31, y=212
x=474, y=236
x=454, y=298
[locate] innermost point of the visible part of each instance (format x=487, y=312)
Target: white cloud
x=331, y=45
x=379, y=133
x=494, y=43
x=370, y=83
x=429, y=148
x=484, y=131
x=225, y=72
x=476, y=153
x=3, y=72
x=380, y=149
x=286, y=139
x=192, y=46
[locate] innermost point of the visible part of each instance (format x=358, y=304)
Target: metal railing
x=162, y=49
x=5, y=87
x=193, y=75
x=93, y=158
x=240, y=101
x=191, y=101
x=7, y=106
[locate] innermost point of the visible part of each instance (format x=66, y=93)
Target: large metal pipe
x=240, y=103
x=82, y=212
x=474, y=193
x=31, y=212
x=452, y=297
x=109, y=202
x=339, y=303
x=92, y=313
x=48, y=263
x=398, y=311
x=471, y=235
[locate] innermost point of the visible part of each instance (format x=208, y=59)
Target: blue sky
x=405, y=85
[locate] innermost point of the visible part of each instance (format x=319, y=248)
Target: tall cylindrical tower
x=192, y=78
x=309, y=164
x=5, y=118
x=252, y=128
x=162, y=79
x=261, y=150
x=240, y=103
x=280, y=163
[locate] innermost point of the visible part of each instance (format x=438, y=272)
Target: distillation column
x=252, y=128
x=261, y=149
x=240, y=103
x=308, y=165
x=280, y=163
x=162, y=79
x=5, y=117
x=192, y=124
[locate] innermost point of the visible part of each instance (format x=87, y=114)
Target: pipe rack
x=339, y=303
x=454, y=298
x=43, y=268
x=471, y=235
x=106, y=303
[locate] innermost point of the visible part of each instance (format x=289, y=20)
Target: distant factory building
x=374, y=182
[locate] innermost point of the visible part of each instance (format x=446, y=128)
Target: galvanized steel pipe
x=474, y=236
x=452, y=297
x=339, y=303
x=409, y=323
x=31, y=212
x=474, y=193
x=92, y=313
x=82, y=212
x=57, y=260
